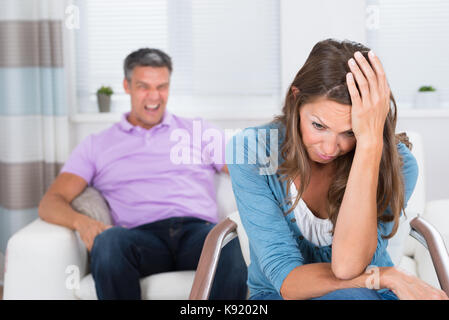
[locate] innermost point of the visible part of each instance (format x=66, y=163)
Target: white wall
x=304, y=23
x=436, y=151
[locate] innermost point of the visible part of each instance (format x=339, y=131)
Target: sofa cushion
x=424, y=266
x=91, y=203
x=162, y=286
x=408, y=265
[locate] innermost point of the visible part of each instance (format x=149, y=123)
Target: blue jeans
x=342, y=294
x=121, y=256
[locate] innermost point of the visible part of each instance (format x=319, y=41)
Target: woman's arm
x=355, y=235
x=317, y=279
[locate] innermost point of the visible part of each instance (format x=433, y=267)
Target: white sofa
x=45, y=261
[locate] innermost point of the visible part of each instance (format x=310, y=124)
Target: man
x=162, y=209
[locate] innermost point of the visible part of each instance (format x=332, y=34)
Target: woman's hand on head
x=371, y=103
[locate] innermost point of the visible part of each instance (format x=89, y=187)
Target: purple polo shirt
x=149, y=175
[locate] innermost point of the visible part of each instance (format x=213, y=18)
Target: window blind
x=412, y=40
x=220, y=49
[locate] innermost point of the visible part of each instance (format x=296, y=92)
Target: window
x=225, y=52
x=411, y=38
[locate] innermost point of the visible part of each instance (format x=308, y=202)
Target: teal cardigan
x=276, y=243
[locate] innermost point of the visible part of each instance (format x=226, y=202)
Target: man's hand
x=88, y=229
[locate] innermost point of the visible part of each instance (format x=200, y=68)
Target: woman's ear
x=295, y=91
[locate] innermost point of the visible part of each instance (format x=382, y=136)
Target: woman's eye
x=317, y=125
x=350, y=134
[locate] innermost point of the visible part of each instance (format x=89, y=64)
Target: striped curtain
x=33, y=108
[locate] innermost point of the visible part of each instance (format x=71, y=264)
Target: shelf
x=96, y=117
x=423, y=113
x=112, y=117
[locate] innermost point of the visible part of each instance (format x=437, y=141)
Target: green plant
x=105, y=90
x=427, y=89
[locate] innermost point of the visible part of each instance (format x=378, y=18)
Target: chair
x=430, y=265
x=232, y=227
x=48, y=261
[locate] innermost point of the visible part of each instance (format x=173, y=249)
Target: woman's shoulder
x=409, y=168
x=263, y=135
x=257, y=145
x=410, y=165
x=273, y=125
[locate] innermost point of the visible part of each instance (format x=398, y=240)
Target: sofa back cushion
x=91, y=203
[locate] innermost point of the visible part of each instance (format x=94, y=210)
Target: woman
x=342, y=180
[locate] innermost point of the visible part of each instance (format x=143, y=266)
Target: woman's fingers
x=370, y=75
x=356, y=100
x=380, y=73
x=384, y=88
x=361, y=80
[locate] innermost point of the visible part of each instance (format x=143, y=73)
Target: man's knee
x=233, y=253
x=109, y=246
x=232, y=262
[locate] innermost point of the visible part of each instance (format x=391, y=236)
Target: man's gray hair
x=146, y=57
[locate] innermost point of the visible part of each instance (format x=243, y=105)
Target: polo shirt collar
x=125, y=125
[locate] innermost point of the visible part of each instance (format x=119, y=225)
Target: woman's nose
x=330, y=147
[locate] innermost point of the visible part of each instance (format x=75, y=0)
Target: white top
x=314, y=229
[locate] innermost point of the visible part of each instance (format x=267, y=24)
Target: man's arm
x=55, y=205
x=55, y=208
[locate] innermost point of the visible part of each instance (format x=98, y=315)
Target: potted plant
x=104, y=98
x=427, y=97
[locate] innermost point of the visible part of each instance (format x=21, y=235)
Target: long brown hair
x=324, y=75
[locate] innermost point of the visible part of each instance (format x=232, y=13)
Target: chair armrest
x=428, y=236
x=44, y=261
x=217, y=238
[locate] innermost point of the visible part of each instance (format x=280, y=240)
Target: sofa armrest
x=44, y=261
x=428, y=236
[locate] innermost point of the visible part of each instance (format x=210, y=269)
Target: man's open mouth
x=152, y=107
